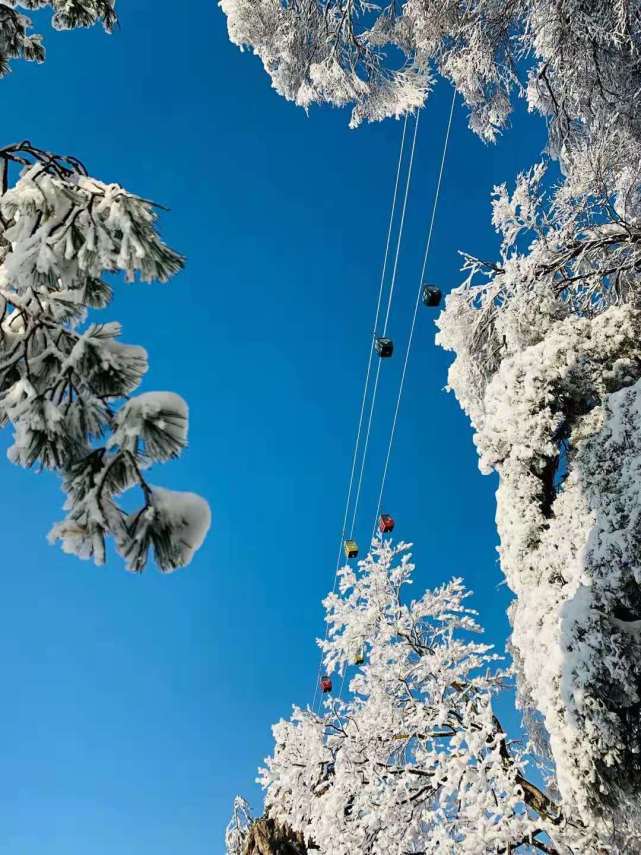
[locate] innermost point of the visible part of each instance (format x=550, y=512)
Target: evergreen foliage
x=66, y=381
x=18, y=42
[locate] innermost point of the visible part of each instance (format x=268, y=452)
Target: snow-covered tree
x=413, y=759
x=546, y=339
x=576, y=61
x=548, y=366
x=238, y=827
x=66, y=382
x=18, y=42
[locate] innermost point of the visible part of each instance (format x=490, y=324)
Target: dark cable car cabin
x=431, y=296
x=386, y=523
x=325, y=684
x=350, y=547
x=359, y=655
x=384, y=347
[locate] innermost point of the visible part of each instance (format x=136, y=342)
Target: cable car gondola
x=384, y=347
x=326, y=684
x=359, y=655
x=431, y=296
x=386, y=523
x=350, y=548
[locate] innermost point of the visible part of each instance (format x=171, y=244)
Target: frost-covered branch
x=556, y=409
x=562, y=256
x=66, y=383
x=413, y=759
x=18, y=42
x=576, y=63
x=237, y=830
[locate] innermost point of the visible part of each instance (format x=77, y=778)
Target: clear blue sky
x=135, y=707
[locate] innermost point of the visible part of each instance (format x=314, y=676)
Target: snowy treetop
x=411, y=758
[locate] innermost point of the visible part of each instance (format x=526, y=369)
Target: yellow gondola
x=350, y=547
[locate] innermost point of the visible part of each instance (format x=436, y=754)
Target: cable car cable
x=411, y=335
x=408, y=182
x=399, y=240
x=340, y=691
x=402, y=226
x=376, y=319
x=418, y=300
x=367, y=376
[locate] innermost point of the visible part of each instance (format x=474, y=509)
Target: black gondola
x=384, y=347
x=431, y=296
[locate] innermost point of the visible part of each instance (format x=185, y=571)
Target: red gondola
x=326, y=684
x=386, y=523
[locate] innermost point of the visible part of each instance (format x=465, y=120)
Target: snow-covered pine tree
x=18, y=42
x=66, y=382
x=548, y=361
x=413, y=760
x=237, y=829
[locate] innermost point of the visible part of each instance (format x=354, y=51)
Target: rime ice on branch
x=547, y=366
x=237, y=829
x=577, y=63
x=65, y=382
x=414, y=760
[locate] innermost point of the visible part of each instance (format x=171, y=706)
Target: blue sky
x=135, y=707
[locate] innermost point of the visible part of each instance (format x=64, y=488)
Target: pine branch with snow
x=66, y=382
x=18, y=42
